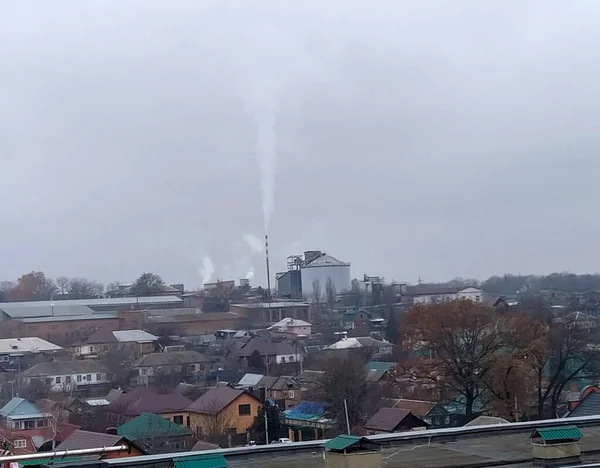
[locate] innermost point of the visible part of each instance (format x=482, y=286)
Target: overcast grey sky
x=422, y=138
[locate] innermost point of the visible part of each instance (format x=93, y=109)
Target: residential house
x=223, y=410
x=309, y=380
x=388, y=420
x=258, y=351
x=88, y=412
x=307, y=421
x=378, y=371
x=249, y=381
x=133, y=342
x=292, y=326
x=156, y=434
x=18, y=353
x=372, y=346
x=428, y=294
x=81, y=440
x=588, y=405
x=28, y=441
x=171, y=405
x=182, y=363
x=65, y=376
x=434, y=414
x=285, y=389
x=20, y=414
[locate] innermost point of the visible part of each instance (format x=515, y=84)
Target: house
x=250, y=381
x=88, y=412
x=434, y=414
x=20, y=414
x=307, y=421
x=431, y=294
x=293, y=326
x=81, y=440
x=309, y=379
x=258, y=351
x=182, y=363
x=15, y=353
x=133, y=342
x=378, y=371
x=28, y=441
x=223, y=410
x=388, y=420
x=65, y=376
x=286, y=389
x=156, y=434
x=376, y=347
x=171, y=405
x=588, y=405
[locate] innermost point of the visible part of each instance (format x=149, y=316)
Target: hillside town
x=161, y=369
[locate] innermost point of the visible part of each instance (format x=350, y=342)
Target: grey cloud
x=431, y=139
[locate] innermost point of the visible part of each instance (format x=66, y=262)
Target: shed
x=556, y=445
x=348, y=451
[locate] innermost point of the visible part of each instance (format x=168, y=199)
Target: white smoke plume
x=207, y=270
x=266, y=153
x=254, y=243
x=250, y=273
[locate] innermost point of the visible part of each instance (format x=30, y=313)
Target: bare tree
x=330, y=293
x=63, y=284
x=57, y=414
x=316, y=293
x=215, y=422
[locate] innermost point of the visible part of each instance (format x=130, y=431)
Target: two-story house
x=65, y=376
x=18, y=353
x=223, y=410
x=19, y=414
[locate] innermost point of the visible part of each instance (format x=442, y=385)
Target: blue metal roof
x=18, y=408
x=306, y=411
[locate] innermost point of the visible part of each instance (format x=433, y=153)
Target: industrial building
x=311, y=275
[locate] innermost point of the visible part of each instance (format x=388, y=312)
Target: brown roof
x=201, y=445
x=265, y=347
x=215, y=400
x=148, y=400
x=389, y=419
x=86, y=440
x=417, y=407
x=100, y=337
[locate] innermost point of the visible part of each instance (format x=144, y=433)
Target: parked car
x=282, y=440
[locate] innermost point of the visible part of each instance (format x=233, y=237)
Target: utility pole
x=347, y=419
x=266, y=425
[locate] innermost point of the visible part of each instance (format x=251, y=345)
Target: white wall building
x=64, y=376
x=429, y=295
x=294, y=326
x=319, y=268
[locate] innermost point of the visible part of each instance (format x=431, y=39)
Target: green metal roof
x=549, y=434
x=341, y=442
x=151, y=425
x=380, y=366
x=202, y=461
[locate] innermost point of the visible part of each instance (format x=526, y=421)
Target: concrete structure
x=294, y=326
x=264, y=313
x=319, y=268
x=556, y=446
x=425, y=294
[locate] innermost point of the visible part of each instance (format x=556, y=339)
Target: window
x=144, y=371
x=49, y=380
x=283, y=359
x=68, y=379
x=20, y=443
x=78, y=378
x=98, y=377
x=58, y=380
x=291, y=394
x=244, y=410
x=178, y=420
x=89, y=377
x=91, y=349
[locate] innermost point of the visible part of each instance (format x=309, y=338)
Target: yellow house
x=223, y=410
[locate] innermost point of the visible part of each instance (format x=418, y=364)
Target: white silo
x=319, y=268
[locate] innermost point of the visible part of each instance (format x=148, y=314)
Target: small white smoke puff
x=250, y=273
x=207, y=270
x=255, y=244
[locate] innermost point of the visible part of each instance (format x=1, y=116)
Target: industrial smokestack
x=268, y=275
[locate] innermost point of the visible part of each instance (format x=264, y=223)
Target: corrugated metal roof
x=68, y=318
x=134, y=336
x=29, y=345
x=151, y=425
x=325, y=260
x=202, y=461
x=98, y=402
x=250, y=380
x=380, y=366
x=549, y=434
x=341, y=442
x=107, y=301
x=19, y=408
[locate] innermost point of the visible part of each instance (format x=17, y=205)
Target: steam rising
x=266, y=154
x=255, y=244
x=207, y=270
x=250, y=273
